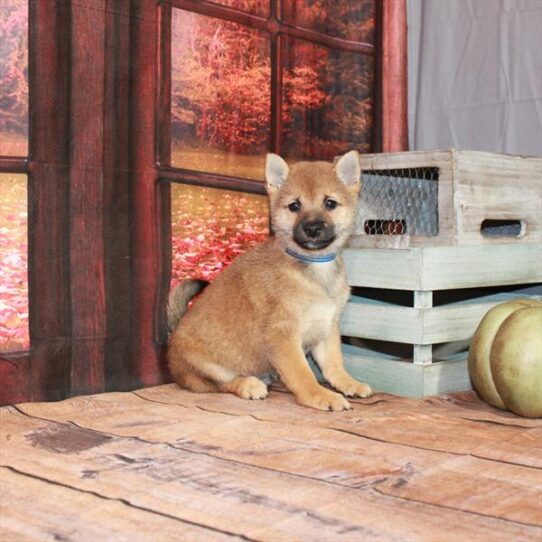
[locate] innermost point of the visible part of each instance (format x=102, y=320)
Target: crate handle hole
x=385, y=227
x=492, y=227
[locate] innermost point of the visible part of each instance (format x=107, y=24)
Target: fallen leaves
x=210, y=228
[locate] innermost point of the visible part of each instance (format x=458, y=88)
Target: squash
x=505, y=357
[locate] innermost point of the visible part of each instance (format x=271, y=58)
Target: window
x=245, y=77
x=14, y=334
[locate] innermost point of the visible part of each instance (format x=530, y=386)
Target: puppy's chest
x=323, y=311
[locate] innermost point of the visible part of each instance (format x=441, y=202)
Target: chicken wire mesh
x=399, y=202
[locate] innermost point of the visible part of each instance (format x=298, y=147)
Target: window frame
x=278, y=31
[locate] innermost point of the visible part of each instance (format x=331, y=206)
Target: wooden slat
x=48, y=192
x=370, y=319
x=86, y=231
x=15, y=378
x=254, y=502
x=475, y=267
x=59, y=515
x=419, y=427
x=145, y=219
x=383, y=268
x=116, y=197
x=497, y=186
x=445, y=267
x=393, y=375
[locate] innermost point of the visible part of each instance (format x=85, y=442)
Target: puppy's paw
x=325, y=400
x=251, y=387
x=353, y=388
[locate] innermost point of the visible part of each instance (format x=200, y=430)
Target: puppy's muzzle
x=314, y=234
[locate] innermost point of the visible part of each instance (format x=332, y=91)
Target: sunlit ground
x=13, y=263
x=13, y=145
x=217, y=161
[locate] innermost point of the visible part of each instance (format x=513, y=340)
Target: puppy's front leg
x=329, y=358
x=290, y=362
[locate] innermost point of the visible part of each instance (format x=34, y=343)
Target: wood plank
x=77, y=515
x=445, y=267
x=370, y=319
x=15, y=377
x=497, y=186
x=249, y=501
x=396, y=269
x=86, y=228
x=389, y=374
x=334, y=456
x=418, y=427
x=477, y=266
x=145, y=260
x=48, y=192
x=116, y=197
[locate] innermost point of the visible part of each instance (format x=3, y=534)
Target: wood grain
x=444, y=267
x=272, y=470
x=456, y=321
x=472, y=186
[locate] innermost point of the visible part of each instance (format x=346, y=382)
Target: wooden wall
x=93, y=271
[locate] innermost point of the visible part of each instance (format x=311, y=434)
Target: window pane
x=220, y=96
x=257, y=7
x=13, y=263
x=353, y=21
x=14, y=77
x=328, y=101
x=210, y=227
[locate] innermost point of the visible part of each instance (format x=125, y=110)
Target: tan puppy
x=279, y=301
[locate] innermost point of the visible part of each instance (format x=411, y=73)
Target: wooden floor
x=161, y=464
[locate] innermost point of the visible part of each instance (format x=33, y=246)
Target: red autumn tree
x=13, y=66
x=221, y=89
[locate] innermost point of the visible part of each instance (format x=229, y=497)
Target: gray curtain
x=475, y=75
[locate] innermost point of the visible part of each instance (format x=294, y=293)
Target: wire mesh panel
x=399, y=202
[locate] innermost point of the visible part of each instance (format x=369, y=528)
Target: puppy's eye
x=330, y=204
x=294, y=206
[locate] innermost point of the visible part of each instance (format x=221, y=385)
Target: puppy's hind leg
x=228, y=381
x=247, y=387
x=204, y=377
x=194, y=382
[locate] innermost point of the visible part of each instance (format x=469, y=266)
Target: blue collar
x=312, y=259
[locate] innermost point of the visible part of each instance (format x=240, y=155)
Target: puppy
x=279, y=301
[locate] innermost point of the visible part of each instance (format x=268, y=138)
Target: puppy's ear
x=276, y=171
x=348, y=169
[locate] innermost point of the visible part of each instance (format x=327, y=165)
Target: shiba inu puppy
x=279, y=301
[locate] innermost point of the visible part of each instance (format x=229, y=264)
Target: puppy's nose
x=313, y=229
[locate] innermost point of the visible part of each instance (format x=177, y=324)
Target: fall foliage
x=220, y=122
x=221, y=82
x=14, y=67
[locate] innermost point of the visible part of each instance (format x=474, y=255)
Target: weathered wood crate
x=441, y=237
x=413, y=311
x=453, y=197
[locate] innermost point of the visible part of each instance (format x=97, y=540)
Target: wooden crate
x=448, y=290
x=459, y=198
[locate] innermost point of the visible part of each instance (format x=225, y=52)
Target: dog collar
x=311, y=259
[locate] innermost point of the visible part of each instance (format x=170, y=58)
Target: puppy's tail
x=179, y=298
